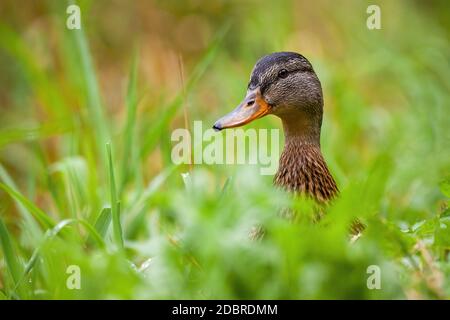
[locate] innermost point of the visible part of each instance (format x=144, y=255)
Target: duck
x=284, y=84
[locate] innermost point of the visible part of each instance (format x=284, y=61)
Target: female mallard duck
x=285, y=84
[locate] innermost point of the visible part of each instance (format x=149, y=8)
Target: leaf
x=226, y=187
x=425, y=228
x=444, y=186
x=442, y=236
x=129, y=146
x=94, y=101
x=14, y=135
x=115, y=207
x=37, y=213
x=137, y=211
x=50, y=234
x=28, y=218
x=103, y=222
x=445, y=213
x=151, y=189
x=75, y=172
x=12, y=262
x=93, y=232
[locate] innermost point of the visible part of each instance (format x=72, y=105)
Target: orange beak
x=253, y=107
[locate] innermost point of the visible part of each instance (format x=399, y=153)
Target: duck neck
x=302, y=168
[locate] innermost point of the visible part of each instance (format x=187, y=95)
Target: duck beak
x=253, y=107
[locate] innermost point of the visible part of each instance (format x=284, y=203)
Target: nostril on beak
x=250, y=103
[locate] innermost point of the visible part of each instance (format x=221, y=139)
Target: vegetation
x=86, y=176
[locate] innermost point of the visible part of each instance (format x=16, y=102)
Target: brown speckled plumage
x=302, y=170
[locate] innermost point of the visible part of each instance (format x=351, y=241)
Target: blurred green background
x=137, y=229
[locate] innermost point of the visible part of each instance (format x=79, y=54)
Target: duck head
x=283, y=84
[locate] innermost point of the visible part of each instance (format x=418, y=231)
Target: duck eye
x=283, y=73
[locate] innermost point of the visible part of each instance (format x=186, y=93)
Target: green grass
x=87, y=180
x=115, y=203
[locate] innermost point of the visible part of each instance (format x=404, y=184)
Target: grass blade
x=14, y=135
x=103, y=222
x=12, y=263
x=129, y=146
x=226, y=187
x=50, y=234
x=92, y=232
x=138, y=210
x=115, y=209
x=29, y=221
x=94, y=101
x=37, y=213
